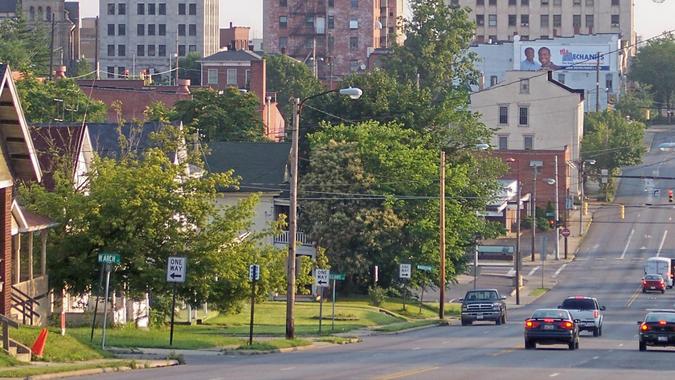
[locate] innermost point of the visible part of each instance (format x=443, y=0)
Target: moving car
x=483, y=305
x=657, y=329
x=662, y=266
x=551, y=326
x=586, y=311
x=653, y=282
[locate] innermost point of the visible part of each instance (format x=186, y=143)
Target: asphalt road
x=609, y=267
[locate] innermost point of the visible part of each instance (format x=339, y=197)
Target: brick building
x=334, y=37
x=235, y=37
x=88, y=39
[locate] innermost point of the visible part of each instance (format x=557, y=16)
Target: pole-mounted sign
x=405, y=271
x=176, y=269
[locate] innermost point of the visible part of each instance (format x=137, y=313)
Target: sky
x=651, y=18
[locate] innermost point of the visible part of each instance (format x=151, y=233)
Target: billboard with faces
x=540, y=55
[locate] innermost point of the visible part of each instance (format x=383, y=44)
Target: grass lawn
x=27, y=371
x=8, y=361
x=406, y=325
x=59, y=348
x=274, y=344
x=538, y=292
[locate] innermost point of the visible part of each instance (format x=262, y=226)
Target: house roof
x=232, y=55
x=105, y=137
x=260, y=166
x=7, y=6
x=57, y=140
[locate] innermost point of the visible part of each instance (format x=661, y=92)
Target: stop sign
x=565, y=232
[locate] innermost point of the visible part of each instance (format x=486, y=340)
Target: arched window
x=31, y=13
x=40, y=14
x=49, y=14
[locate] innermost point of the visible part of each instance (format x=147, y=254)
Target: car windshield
x=655, y=317
x=653, y=277
x=578, y=304
x=550, y=313
x=482, y=296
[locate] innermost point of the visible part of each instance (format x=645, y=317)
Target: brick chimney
x=183, y=87
x=259, y=79
x=60, y=72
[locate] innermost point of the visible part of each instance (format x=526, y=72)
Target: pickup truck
x=483, y=305
x=586, y=313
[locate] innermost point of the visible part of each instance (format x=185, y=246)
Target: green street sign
x=109, y=258
x=336, y=276
x=426, y=268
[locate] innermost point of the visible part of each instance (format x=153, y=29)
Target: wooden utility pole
x=51, y=49
x=441, y=285
x=597, y=83
x=292, y=223
x=97, y=76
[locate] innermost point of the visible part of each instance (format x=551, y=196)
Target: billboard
x=547, y=55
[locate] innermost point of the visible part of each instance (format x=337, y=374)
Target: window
x=493, y=2
x=181, y=29
x=543, y=20
x=121, y=50
x=576, y=3
x=525, y=3
x=111, y=29
x=576, y=21
x=111, y=50
x=161, y=50
x=331, y=22
x=192, y=48
x=609, y=82
x=493, y=80
x=480, y=2
x=615, y=3
x=283, y=22
x=355, y=3
x=122, y=30
x=353, y=65
x=512, y=20
x=524, y=37
x=512, y=2
x=528, y=142
x=309, y=20
x=151, y=9
x=561, y=78
x=524, y=20
x=181, y=50
x=212, y=76
x=525, y=86
x=480, y=20
x=590, y=3
x=544, y=37
x=140, y=50
x=353, y=43
x=151, y=50
x=354, y=23
x=283, y=3
x=283, y=42
x=121, y=9
x=492, y=20
x=331, y=3
x=331, y=44
x=140, y=9
x=111, y=9
x=122, y=72
x=503, y=114
x=151, y=29
x=111, y=71
x=492, y=39
x=162, y=9
x=192, y=9
x=140, y=30
x=557, y=21
x=557, y=3
x=192, y=29
x=522, y=115
x=181, y=9
x=544, y=3
x=503, y=142
x=162, y=29
x=231, y=77
x=615, y=21
x=589, y=21
x=48, y=14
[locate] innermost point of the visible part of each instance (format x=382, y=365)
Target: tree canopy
x=654, y=65
x=24, y=47
x=289, y=78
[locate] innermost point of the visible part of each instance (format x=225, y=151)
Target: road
x=609, y=267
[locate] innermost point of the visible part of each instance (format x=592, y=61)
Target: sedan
x=551, y=326
x=653, y=282
x=657, y=329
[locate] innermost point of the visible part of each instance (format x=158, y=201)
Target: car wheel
x=596, y=331
x=465, y=322
x=643, y=346
x=498, y=321
x=576, y=344
x=663, y=291
x=644, y=290
x=572, y=345
x=600, y=330
x=530, y=345
x=504, y=319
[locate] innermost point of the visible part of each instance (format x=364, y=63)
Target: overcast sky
x=650, y=18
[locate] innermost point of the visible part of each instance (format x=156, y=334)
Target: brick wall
x=234, y=37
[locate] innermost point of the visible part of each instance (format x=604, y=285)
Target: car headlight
x=496, y=305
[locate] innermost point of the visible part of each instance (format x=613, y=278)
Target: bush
x=377, y=295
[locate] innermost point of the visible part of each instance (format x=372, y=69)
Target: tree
x=289, y=78
x=190, y=68
x=84, y=69
x=230, y=116
x=61, y=100
x=636, y=103
x=654, y=65
x=23, y=47
x=613, y=142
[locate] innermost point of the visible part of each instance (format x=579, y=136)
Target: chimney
x=60, y=72
x=230, y=24
x=259, y=79
x=183, y=87
x=481, y=82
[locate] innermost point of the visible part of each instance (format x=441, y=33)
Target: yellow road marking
x=408, y=373
x=502, y=352
x=633, y=297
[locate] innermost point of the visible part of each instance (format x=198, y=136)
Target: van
x=662, y=266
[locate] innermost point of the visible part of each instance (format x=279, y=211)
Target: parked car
x=551, y=326
x=657, y=329
x=653, y=282
x=483, y=305
x=586, y=311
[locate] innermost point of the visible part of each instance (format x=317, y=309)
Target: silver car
x=586, y=311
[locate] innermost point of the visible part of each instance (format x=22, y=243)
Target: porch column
x=17, y=258
x=30, y=256
x=43, y=252
x=6, y=249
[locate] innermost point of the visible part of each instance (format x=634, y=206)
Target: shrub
x=377, y=295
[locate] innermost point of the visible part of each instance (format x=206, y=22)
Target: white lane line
x=596, y=357
x=511, y=272
x=559, y=270
x=417, y=348
x=532, y=271
x=595, y=247
x=630, y=236
x=287, y=369
x=554, y=374
x=663, y=240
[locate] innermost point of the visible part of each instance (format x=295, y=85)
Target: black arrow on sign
x=321, y=282
x=174, y=275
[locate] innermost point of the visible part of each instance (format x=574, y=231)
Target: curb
x=439, y=323
x=97, y=371
x=235, y=352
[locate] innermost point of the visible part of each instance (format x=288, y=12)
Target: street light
x=352, y=93
x=582, y=179
x=517, y=258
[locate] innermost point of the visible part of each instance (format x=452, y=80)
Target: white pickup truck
x=587, y=313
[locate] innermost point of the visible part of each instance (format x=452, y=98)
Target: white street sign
x=322, y=277
x=405, y=270
x=176, y=269
x=254, y=272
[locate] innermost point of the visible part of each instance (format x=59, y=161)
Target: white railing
x=301, y=238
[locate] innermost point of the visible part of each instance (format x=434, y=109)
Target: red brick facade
x=235, y=37
x=6, y=243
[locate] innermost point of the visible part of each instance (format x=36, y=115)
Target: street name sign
x=426, y=268
x=109, y=258
x=405, y=271
x=254, y=272
x=176, y=269
x=337, y=276
x=322, y=276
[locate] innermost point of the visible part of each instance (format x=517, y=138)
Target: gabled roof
x=105, y=137
x=579, y=91
x=232, y=56
x=263, y=167
x=57, y=140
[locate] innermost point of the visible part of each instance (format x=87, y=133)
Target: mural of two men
x=544, y=63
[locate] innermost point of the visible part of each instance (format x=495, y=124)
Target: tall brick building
x=334, y=37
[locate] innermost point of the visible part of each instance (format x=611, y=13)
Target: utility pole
x=581, y=209
x=518, y=192
x=557, y=212
x=292, y=223
x=441, y=308
x=534, y=208
x=597, y=83
x=98, y=76
x=51, y=49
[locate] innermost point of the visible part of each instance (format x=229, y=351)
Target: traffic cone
x=39, y=345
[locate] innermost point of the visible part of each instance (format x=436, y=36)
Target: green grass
x=274, y=344
x=8, y=361
x=406, y=325
x=338, y=339
x=59, y=348
x=538, y=292
x=39, y=370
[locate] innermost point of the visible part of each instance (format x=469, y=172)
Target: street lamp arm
x=352, y=92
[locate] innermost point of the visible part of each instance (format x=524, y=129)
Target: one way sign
x=175, y=269
x=322, y=276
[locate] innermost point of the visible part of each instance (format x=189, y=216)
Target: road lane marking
x=502, y=352
x=596, y=357
x=511, y=272
x=532, y=271
x=559, y=270
x=407, y=373
x=287, y=369
x=554, y=374
x=633, y=297
x=595, y=247
x=632, y=231
x=663, y=240
x=417, y=348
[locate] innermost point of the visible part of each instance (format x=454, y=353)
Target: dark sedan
x=551, y=326
x=657, y=329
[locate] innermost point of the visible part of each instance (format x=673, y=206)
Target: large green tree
x=24, y=47
x=654, y=65
x=289, y=78
x=636, y=103
x=190, y=68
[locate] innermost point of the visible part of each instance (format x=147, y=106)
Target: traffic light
x=622, y=212
x=551, y=223
x=670, y=195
